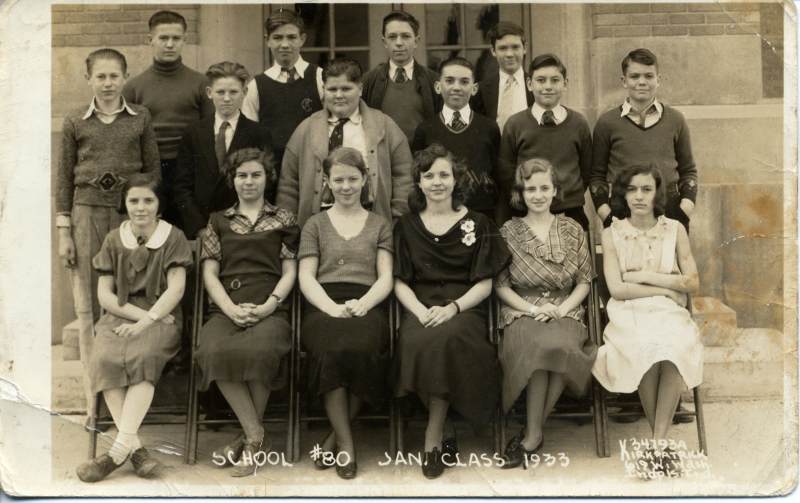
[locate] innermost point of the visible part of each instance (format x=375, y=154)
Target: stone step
x=717, y=322
x=752, y=369
x=70, y=342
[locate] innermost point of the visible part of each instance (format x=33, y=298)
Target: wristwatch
x=278, y=299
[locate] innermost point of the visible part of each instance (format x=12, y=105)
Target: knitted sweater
x=91, y=149
x=478, y=145
x=175, y=95
x=619, y=143
x=568, y=147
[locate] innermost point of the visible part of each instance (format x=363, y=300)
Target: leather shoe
x=144, y=465
x=97, y=469
x=326, y=459
x=515, y=454
x=247, y=461
x=450, y=447
x=432, y=466
x=230, y=452
x=347, y=471
x=633, y=413
x=683, y=418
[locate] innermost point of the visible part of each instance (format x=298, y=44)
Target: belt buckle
x=235, y=284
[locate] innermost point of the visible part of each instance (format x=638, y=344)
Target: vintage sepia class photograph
x=406, y=249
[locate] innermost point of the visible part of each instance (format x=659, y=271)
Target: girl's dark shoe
x=326, y=459
x=515, y=454
x=432, y=466
x=247, y=464
x=144, y=465
x=97, y=469
x=347, y=471
x=231, y=452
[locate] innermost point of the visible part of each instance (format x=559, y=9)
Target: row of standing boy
x=180, y=123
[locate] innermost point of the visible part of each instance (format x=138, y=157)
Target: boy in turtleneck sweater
x=174, y=94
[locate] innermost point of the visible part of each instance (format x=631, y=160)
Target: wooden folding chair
x=396, y=314
x=157, y=415
x=593, y=406
x=608, y=399
x=299, y=363
x=194, y=422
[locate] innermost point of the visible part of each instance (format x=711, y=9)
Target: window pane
x=322, y=58
x=442, y=24
x=480, y=19
x=315, y=17
x=318, y=58
x=351, y=25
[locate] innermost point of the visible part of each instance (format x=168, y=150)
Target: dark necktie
x=400, y=75
x=289, y=70
x=337, y=135
x=457, y=124
x=548, y=119
x=219, y=145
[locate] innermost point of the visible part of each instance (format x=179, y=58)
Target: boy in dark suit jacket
x=200, y=186
x=504, y=93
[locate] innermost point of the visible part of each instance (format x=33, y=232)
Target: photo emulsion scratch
x=408, y=250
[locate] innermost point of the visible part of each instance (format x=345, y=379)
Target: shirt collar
x=232, y=121
x=93, y=109
x=355, y=117
x=299, y=66
x=267, y=209
x=519, y=76
x=655, y=105
x=559, y=113
x=408, y=67
x=465, y=113
x=157, y=239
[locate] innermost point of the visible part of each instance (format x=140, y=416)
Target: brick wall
x=112, y=25
x=668, y=19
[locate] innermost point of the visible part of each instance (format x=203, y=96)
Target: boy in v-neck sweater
x=468, y=135
x=550, y=131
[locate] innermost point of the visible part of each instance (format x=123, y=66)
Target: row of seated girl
x=441, y=261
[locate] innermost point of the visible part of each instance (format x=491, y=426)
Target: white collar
x=465, y=113
x=559, y=113
x=156, y=241
x=355, y=117
x=408, y=67
x=232, y=121
x=627, y=107
x=519, y=76
x=93, y=108
x=299, y=66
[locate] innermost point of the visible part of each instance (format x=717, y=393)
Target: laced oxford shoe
x=432, y=465
x=97, y=469
x=144, y=465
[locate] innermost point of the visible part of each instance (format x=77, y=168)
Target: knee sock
x=124, y=444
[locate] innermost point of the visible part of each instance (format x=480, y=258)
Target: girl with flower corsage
x=445, y=258
x=545, y=341
x=651, y=343
x=142, y=275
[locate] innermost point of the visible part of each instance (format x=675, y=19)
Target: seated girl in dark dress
x=345, y=273
x=445, y=259
x=142, y=267
x=249, y=270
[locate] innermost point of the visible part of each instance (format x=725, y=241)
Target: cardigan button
x=341, y=261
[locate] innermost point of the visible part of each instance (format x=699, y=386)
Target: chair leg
x=91, y=424
x=392, y=429
x=192, y=424
x=699, y=418
x=600, y=420
x=604, y=434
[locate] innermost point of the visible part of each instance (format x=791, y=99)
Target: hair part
x=147, y=180
x=457, y=61
x=227, y=69
x=505, y=28
x=545, y=60
x=346, y=156
x=423, y=160
x=619, y=189
x=106, y=53
x=283, y=17
x=166, y=17
x=337, y=67
x=238, y=157
x=401, y=16
x=642, y=56
x=524, y=171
